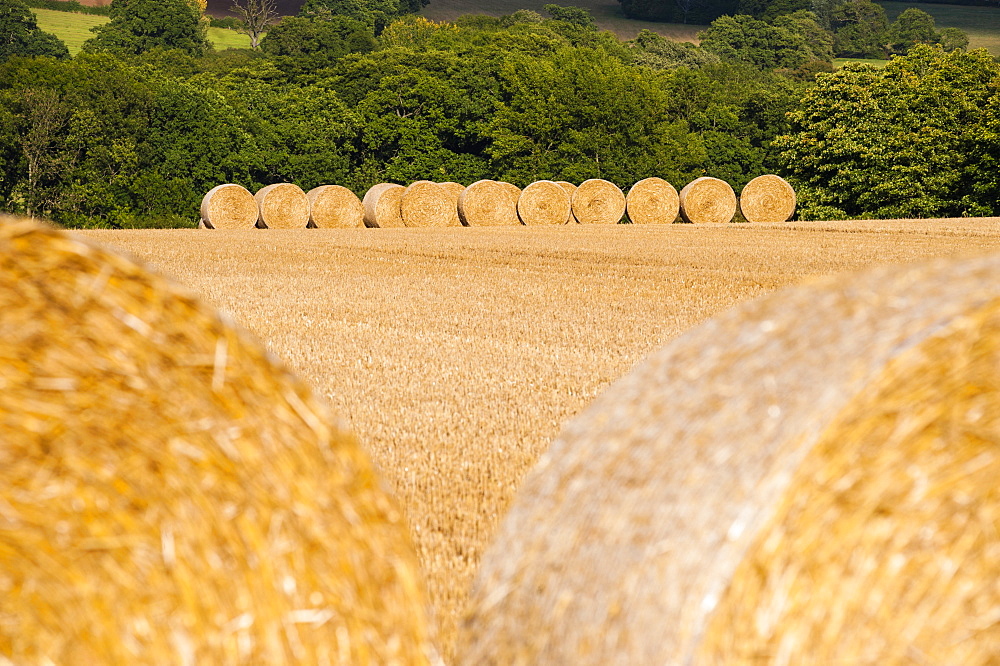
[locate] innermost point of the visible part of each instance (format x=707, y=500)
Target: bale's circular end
x=707, y=200
x=453, y=191
x=382, y=205
x=652, y=201
x=543, y=203
x=598, y=201
x=767, y=198
x=334, y=207
x=570, y=189
x=426, y=204
x=229, y=206
x=489, y=203
x=168, y=494
x=811, y=475
x=282, y=206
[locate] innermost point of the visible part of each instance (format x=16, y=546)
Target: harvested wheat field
x=457, y=355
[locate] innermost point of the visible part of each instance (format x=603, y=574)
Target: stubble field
x=456, y=355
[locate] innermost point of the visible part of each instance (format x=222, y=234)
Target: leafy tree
x=653, y=50
x=138, y=26
x=577, y=16
x=952, y=39
x=746, y=39
x=912, y=26
x=918, y=138
x=804, y=23
x=308, y=44
x=254, y=18
x=20, y=36
x=376, y=14
x=860, y=28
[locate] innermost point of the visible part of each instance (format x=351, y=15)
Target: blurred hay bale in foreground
x=808, y=478
x=168, y=494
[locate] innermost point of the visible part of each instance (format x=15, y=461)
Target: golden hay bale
x=454, y=191
x=426, y=204
x=282, y=206
x=570, y=189
x=229, y=206
x=810, y=478
x=489, y=203
x=170, y=495
x=543, y=202
x=767, y=198
x=334, y=207
x=652, y=201
x=706, y=199
x=202, y=225
x=598, y=201
x=382, y=205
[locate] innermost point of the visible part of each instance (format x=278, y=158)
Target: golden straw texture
x=282, y=206
x=807, y=478
x=707, y=200
x=543, y=202
x=229, y=206
x=333, y=207
x=454, y=191
x=489, y=203
x=768, y=199
x=570, y=189
x=426, y=204
x=598, y=201
x=168, y=494
x=381, y=204
x=652, y=201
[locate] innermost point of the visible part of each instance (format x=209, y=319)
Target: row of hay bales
x=488, y=203
x=168, y=494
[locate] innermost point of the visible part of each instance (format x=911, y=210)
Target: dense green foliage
x=69, y=6
x=919, y=138
x=20, y=36
x=138, y=26
x=126, y=137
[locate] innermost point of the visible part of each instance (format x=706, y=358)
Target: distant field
x=982, y=24
x=458, y=354
x=607, y=13
x=840, y=62
x=74, y=29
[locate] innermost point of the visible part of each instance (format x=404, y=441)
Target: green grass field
x=74, y=30
x=982, y=24
x=840, y=62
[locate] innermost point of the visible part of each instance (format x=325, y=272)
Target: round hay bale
x=570, y=189
x=652, y=201
x=489, y=203
x=809, y=478
x=767, y=198
x=598, y=201
x=706, y=199
x=454, y=191
x=382, y=205
x=426, y=204
x=170, y=495
x=334, y=207
x=229, y=206
x=543, y=202
x=282, y=206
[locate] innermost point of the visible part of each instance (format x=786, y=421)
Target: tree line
x=134, y=130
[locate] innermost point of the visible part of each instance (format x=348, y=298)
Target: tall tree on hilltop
x=138, y=26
